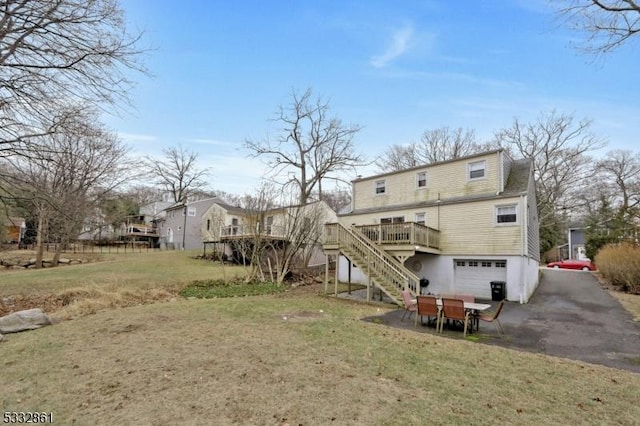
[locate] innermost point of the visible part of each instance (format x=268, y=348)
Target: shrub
x=620, y=265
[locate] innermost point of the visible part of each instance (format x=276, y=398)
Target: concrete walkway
x=570, y=315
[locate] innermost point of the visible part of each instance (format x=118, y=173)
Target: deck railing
x=251, y=231
x=410, y=233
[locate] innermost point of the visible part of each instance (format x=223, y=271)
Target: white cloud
x=399, y=45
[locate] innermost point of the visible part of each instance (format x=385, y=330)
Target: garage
x=474, y=276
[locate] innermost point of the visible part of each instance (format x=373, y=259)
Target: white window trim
x=375, y=187
x=420, y=214
x=484, y=176
x=502, y=206
x=418, y=180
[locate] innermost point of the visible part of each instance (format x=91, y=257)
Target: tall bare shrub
x=620, y=265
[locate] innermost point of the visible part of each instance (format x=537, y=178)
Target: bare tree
x=177, y=172
x=79, y=167
x=310, y=143
x=302, y=227
x=337, y=199
x=441, y=144
x=399, y=157
x=55, y=53
x=607, y=23
x=620, y=170
x=558, y=145
x=447, y=144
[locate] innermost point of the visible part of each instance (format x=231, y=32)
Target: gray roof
x=518, y=180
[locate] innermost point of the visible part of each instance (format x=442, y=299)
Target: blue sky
x=221, y=69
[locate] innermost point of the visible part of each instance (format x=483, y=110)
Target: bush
x=620, y=265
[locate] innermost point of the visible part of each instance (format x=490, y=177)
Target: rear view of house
x=460, y=224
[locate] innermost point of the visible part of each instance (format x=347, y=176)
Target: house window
x=381, y=187
x=191, y=211
x=208, y=224
x=460, y=262
x=501, y=264
x=397, y=219
x=473, y=263
x=506, y=214
x=485, y=264
x=269, y=223
x=421, y=180
x=477, y=169
x=421, y=218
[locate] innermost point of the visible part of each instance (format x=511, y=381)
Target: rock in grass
x=29, y=319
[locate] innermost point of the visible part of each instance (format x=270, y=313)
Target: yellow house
x=228, y=229
x=460, y=224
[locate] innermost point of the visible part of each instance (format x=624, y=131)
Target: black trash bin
x=498, y=290
x=424, y=283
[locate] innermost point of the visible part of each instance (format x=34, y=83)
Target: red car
x=584, y=265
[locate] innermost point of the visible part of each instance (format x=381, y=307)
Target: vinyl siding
x=533, y=228
x=470, y=229
x=444, y=181
x=465, y=228
x=409, y=216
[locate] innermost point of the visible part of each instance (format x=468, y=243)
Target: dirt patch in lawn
x=77, y=302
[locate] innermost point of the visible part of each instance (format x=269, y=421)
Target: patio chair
x=453, y=309
x=409, y=304
x=467, y=298
x=428, y=306
x=493, y=317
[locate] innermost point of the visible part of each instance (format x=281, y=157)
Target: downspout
x=523, y=229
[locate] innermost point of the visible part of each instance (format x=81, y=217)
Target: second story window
x=506, y=214
x=421, y=180
x=381, y=187
x=421, y=218
x=477, y=169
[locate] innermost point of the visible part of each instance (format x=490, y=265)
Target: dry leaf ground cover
x=292, y=358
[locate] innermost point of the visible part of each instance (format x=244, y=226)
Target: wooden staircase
x=383, y=270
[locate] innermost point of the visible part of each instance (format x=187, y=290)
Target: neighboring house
x=460, y=224
x=576, y=244
x=13, y=229
x=226, y=227
x=181, y=226
x=144, y=226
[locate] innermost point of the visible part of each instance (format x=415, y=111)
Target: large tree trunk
x=42, y=226
x=56, y=255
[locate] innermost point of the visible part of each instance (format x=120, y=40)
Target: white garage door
x=475, y=276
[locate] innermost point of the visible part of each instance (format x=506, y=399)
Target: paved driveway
x=572, y=316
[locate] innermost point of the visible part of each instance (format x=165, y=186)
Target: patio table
x=473, y=307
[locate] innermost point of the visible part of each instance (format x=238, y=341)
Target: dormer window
x=477, y=169
x=421, y=180
x=381, y=187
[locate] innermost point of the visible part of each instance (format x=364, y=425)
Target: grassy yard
x=291, y=358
